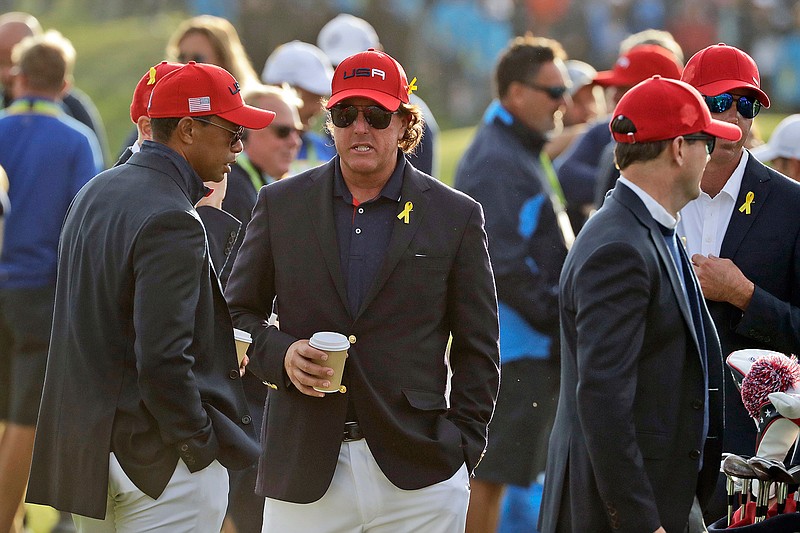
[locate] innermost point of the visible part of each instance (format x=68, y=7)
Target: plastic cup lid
x=241, y=335
x=330, y=341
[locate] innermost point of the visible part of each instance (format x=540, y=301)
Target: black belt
x=352, y=431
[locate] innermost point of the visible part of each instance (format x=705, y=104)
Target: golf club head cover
x=769, y=373
x=741, y=361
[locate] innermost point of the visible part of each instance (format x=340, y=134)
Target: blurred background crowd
x=449, y=45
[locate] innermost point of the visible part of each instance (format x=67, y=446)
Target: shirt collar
x=498, y=114
x=194, y=185
x=734, y=183
x=391, y=190
x=655, y=209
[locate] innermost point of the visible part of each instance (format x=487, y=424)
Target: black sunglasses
x=710, y=140
x=197, y=58
x=237, y=133
x=282, y=131
x=377, y=117
x=747, y=107
x=554, y=92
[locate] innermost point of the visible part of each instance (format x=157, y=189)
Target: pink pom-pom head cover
x=770, y=373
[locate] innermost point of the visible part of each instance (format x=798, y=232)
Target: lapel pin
x=404, y=214
x=748, y=201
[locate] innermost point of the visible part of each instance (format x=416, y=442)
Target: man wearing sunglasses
x=368, y=246
x=635, y=444
x=143, y=408
x=743, y=235
x=504, y=169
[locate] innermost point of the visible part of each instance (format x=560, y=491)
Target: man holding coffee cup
x=143, y=408
x=370, y=248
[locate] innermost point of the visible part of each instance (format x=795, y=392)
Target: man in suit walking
x=367, y=246
x=635, y=442
x=743, y=235
x=142, y=407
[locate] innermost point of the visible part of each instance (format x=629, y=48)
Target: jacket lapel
x=629, y=198
x=755, y=180
x=413, y=191
x=319, y=202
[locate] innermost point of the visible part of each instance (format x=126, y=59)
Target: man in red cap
x=635, y=445
x=367, y=246
x=142, y=408
x=581, y=166
x=743, y=235
x=221, y=227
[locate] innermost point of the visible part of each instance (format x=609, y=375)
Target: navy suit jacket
x=765, y=245
x=142, y=359
x=625, y=450
x=435, y=280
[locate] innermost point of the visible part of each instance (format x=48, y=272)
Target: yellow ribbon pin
x=412, y=86
x=745, y=207
x=152, y=79
x=406, y=212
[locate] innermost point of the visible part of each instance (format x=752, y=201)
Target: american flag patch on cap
x=202, y=103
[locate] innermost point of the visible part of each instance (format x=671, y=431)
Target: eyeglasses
x=237, y=133
x=197, y=58
x=377, y=117
x=710, y=140
x=747, y=107
x=554, y=92
x=282, y=130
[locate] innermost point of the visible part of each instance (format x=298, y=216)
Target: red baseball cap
x=662, y=108
x=720, y=68
x=638, y=64
x=371, y=74
x=200, y=89
x=141, y=95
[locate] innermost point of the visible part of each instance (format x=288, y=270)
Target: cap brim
x=765, y=152
x=723, y=130
x=386, y=101
x=605, y=78
x=250, y=117
x=723, y=86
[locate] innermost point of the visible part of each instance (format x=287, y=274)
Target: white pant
x=191, y=503
x=361, y=498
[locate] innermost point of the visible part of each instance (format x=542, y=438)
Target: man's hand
x=722, y=281
x=242, y=365
x=217, y=195
x=303, y=368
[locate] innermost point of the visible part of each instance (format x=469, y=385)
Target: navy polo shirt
x=364, y=230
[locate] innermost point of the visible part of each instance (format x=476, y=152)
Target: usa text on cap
x=371, y=74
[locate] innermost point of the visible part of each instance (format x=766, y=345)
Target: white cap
x=300, y=65
x=784, y=141
x=580, y=74
x=346, y=35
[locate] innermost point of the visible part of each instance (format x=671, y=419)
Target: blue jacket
x=48, y=157
x=502, y=171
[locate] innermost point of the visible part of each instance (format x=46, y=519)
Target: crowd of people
x=558, y=319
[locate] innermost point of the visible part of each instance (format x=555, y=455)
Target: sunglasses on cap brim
x=746, y=106
x=343, y=116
